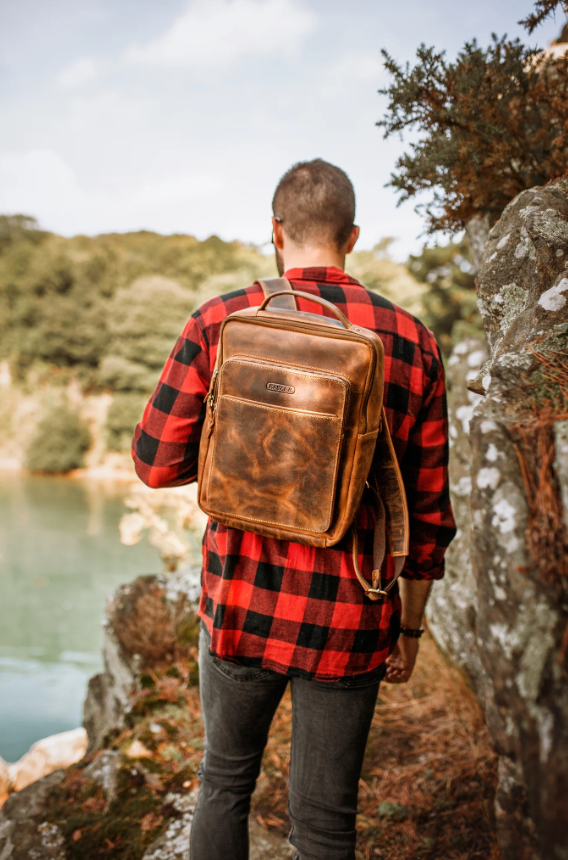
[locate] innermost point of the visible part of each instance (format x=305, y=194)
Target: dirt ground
x=428, y=781
x=426, y=791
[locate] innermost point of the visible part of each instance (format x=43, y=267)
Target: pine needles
x=545, y=401
x=429, y=775
x=490, y=124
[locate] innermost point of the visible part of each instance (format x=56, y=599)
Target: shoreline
x=107, y=472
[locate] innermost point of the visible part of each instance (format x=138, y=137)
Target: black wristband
x=412, y=634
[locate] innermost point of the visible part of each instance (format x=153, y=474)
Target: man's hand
x=401, y=662
x=413, y=597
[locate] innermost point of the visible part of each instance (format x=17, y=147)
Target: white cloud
x=80, y=72
x=41, y=183
x=30, y=183
x=214, y=34
x=178, y=188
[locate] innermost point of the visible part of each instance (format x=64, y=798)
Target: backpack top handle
x=323, y=302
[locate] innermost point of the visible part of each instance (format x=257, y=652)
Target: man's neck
x=307, y=258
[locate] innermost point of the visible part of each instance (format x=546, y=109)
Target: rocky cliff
x=133, y=795
x=510, y=590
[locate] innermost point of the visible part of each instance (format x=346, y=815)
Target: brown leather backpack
x=294, y=421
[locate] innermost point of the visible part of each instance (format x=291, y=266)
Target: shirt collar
x=321, y=274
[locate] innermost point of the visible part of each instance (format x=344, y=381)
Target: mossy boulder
x=512, y=595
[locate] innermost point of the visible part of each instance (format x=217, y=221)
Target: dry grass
x=547, y=539
x=147, y=629
x=146, y=624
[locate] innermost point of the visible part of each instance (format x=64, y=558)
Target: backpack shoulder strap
x=274, y=285
x=392, y=515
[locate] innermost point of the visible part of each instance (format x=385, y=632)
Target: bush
x=123, y=415
x=59, y=443
x=449, y=303
x=146, y=318
x=487, y=126
x=120, y=374
x=73, y=302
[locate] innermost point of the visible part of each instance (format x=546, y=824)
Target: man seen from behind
x=331, y=643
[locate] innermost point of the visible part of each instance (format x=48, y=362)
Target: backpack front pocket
x=274, y=465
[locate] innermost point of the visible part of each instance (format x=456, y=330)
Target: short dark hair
x=315, y=202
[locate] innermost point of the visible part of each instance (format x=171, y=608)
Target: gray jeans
x=330, y=726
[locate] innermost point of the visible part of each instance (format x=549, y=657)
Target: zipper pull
x=213, y=389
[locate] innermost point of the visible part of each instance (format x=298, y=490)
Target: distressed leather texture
x=294, y=421
x=267, y=448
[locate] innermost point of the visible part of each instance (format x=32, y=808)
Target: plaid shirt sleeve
x=425, y=473
x=165, y=448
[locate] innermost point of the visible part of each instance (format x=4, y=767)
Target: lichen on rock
x=134, y=794
x=514, y=588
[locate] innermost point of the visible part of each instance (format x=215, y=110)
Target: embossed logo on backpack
x=283, y=389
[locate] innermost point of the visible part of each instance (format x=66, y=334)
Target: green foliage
x=54, y=313
x=120, y=374
x=490, y=124
x=59, y=443
x=542, y=9
x=145, y=320
x=16, y=227
x=450, y=308
x=123, y=415
x=108, y=307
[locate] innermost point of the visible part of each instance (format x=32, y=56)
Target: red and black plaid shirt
x=284, y=606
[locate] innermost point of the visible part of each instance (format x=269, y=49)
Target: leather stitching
x=301, y=366
x=324, y=375
x=282, y=409
x=325, y=381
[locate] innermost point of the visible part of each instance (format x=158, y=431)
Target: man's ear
x=352, y=239
x=278, y=234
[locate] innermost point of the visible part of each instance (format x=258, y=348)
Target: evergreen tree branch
x=542, y=10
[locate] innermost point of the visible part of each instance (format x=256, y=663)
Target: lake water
x=60, y=559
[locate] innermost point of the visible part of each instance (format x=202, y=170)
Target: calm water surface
x=60, y=558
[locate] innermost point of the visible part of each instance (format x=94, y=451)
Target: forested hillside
x=86, y=324
x=83, y=303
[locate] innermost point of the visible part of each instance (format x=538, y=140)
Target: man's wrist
x=414, y=595
x=411, y=632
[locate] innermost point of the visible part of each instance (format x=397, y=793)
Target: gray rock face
x=514, y=603
x=107, y=701
x=105, y=771
x=452, y=609
x=173, y=844
x=24, y=835
x=132, y=636
x=109, y=693
x=523, y=281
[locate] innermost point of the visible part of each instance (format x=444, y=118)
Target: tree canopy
x=86, y=304
x=489, y=125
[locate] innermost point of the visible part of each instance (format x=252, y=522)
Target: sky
x=181, y=115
